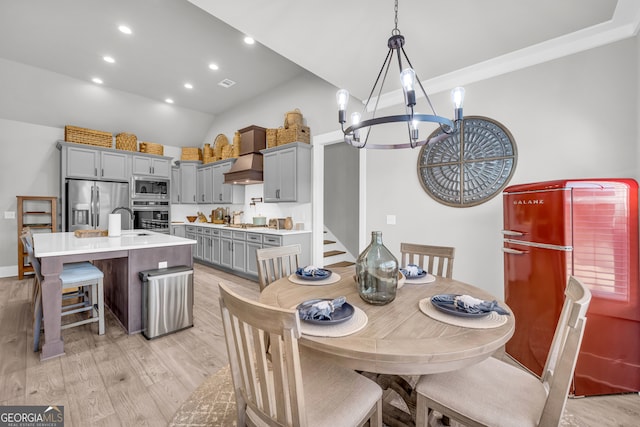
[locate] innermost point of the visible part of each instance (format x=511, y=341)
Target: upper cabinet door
x=82, y=162
x=287, y=173
x=149, y=166
x=114, y=166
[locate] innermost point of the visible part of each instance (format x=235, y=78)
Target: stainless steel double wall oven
x=150, y=203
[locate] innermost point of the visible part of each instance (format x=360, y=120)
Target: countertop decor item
x=192, y=218
x=409, y=80
x=377, y=272
x=469, y=167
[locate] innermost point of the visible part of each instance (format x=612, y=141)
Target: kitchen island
x=119, y=258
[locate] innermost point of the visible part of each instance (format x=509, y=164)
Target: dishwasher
x=167, y=300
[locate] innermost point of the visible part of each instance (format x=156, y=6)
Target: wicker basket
x=126, y=141
x=151, y=148
x=294, y=133
x=227, y=151
x=191, y=153
x=220, y=142
x=88, y=136
x=272, y=138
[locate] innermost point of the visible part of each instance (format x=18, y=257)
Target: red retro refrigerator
x=587, y=228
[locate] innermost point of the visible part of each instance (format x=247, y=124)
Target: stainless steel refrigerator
x=89, y=203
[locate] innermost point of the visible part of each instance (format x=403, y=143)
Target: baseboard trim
x=9, y=271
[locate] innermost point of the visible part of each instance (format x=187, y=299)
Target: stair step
x=340, y=264
x=328, y=242
x=333, y=253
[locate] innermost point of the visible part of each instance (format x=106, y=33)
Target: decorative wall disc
x=469, y=167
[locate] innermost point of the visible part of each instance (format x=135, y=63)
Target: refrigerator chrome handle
x=92, y=208
x=512, y=233
x=97, y=207
x=514, y=251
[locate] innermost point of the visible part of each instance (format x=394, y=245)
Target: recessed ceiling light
x=109, y=59
x=188, y=85
x=97, y=80
x=249, y=40
x=213, y=66
x=169, y=101
x=124, y=29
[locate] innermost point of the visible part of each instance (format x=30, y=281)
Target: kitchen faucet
x=126, y=209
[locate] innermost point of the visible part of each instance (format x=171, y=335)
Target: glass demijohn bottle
x=377, y=272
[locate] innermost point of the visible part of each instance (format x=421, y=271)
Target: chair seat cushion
x=335, y=396
x=80, y=273
x=492, y=392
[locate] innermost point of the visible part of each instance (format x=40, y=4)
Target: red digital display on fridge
x=587, y=228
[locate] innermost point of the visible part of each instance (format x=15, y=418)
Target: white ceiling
x=342, y=42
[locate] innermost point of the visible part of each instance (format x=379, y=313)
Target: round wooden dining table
x=398, y=338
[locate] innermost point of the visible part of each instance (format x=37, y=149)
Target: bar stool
x=81, y=280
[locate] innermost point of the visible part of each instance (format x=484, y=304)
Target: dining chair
x=276, y=263
x=292, y=387
x=436, y=260
x=82, y=291
x=497, y=393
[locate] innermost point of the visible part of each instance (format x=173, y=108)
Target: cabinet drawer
x=215, y=232
x=272, y=240
x=205, y=230
x=239, y=235
x=225, y=233
x=254, y=237
x=192, y=228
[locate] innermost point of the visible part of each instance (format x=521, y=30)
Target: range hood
x=246, y=170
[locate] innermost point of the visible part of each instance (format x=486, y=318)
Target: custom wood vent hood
x=248, y=168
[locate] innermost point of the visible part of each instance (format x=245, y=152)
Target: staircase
x=335, y=254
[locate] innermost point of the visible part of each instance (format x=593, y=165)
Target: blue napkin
x=311, y=271
x=412, y=271
x=470, y=304
x=321, y=310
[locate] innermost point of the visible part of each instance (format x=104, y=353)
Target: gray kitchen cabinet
x=287, y=173
x=238, y=248
x=190, y=232
x=206, y=244
x=150, y=166
x=225, y=193
x=175, y=184
x=188, y=182
x=178, y=230
x=215, y=246
x=226, y=249
x=204, y=178
x=254, y=242
x=91, y=163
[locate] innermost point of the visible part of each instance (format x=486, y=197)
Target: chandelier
x=409, y=81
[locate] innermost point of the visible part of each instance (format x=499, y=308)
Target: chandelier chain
x=396, y=31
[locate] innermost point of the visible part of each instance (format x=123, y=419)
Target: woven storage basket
x=88, y=136
x=126, y=141
x=227, y=151
x=235, y=151
x=191, y=153
x=295, y=133
x=151, y=148
x=220, y=142
x=272, y=137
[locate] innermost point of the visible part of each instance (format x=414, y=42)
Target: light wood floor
x=122, y=380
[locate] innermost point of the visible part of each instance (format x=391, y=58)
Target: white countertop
x=57, y=244
x=263, y=230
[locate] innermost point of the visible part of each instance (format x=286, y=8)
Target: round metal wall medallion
x=469, y=167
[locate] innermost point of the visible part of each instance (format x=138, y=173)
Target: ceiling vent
x=226, y=83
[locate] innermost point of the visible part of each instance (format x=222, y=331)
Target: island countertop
x=57, y=244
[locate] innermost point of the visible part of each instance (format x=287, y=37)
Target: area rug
x=211, y=404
